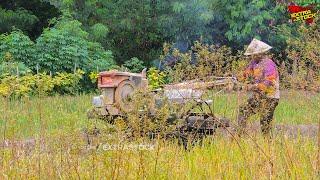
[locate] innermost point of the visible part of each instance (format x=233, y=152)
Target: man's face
x=256, y=57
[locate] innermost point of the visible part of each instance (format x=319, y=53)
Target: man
x=263, y=78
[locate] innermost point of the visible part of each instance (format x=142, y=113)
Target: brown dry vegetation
x=48, y=141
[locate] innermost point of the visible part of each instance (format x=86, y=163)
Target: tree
x=134, y=65
x=30, y=16
x=182, y=20
x=21, y=19
x=19, y=46
x=66, y=47
x=243, y=20
x=138, y=28
x=133, y=30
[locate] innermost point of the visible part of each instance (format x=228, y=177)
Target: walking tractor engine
x=188, y=115
x=116, y=88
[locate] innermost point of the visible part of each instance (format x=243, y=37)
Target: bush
x=66, y=47
x=19, y=18
x=302, y=68
x=29, y=84
x=9, y=66
x=99, y=59
x=19, y=46
x=204, y=62
x=134, y=65
x=156, y=78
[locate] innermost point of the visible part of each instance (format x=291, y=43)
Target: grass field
x=62, y=153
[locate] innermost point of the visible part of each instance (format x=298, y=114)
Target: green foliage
x=9, y=66
x=42, y=83
x=30, y=16
x=156, y=78
x=78, y=39
x=316, y=3
x=67, y=82
x=21, y=19
x=148, y=24
x=93, y=76
x=62, y=47
x=112, y=22
x=139, y=28
x=243, y=20
x=19, y=46
x=134, y=65
x=99, y=59
x=186, y=20
x=135, y=19
x=65, y=47
x=99, y=31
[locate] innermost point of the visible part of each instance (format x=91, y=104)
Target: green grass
x=63, y=153
x=58, y=115
x=68, y=113
x=295, y=107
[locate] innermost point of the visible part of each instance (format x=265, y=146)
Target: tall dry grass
x=63, y=152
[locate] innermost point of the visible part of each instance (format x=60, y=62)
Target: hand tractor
x=117, y=87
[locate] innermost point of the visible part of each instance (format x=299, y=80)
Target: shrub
x=303, y=52
x=203, y=62
x=99, y=59
x=66, y=47
x=134, y=65
x=9, y=66
x=29, y=84
x=19, y=18
x=19, y=46
x=156, y=78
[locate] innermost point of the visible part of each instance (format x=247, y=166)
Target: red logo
x=299, y=13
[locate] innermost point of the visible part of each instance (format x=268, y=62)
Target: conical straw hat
x=257, y=47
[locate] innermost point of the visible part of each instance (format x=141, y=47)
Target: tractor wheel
x=122, y=95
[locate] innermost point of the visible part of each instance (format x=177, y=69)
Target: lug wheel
x=122, y=95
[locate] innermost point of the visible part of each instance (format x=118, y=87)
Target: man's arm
x=246, y=73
